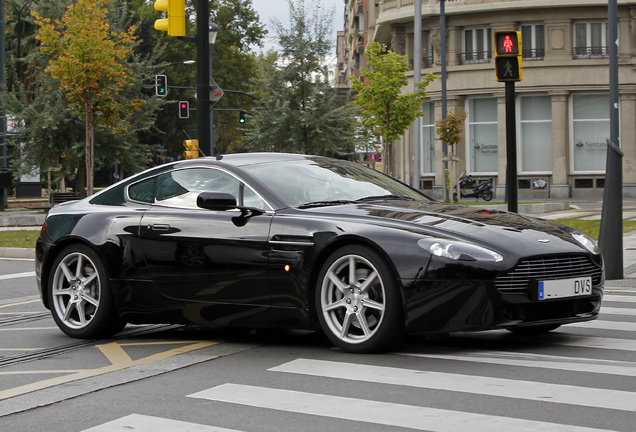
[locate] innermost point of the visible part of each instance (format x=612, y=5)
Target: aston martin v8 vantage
x=307, y=242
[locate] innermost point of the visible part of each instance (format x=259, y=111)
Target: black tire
x=534, y=330
x=363, y=316
x=80, y=297
x=487, y=196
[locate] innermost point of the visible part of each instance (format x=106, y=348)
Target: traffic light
x=241, y=117
x=192, y=149
x=508, y=50
x=184, y=109
x=161, y=85
x=174, y=24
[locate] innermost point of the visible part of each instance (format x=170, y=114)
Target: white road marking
x=144, y=423
x=501, y=387
x=17, y=275
x=382, y=413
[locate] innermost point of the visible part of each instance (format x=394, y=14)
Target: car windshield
x=314, y=182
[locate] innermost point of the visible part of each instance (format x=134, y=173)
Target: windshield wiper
x=385, y=197
x=325, y=203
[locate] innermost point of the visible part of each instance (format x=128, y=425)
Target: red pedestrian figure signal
x=508, y=44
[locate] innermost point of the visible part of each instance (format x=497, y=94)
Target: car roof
x=242, y=159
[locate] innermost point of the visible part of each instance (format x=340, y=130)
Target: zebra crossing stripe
x=618, y=311
x=560, y=339
x=618, y=298
x=382, y=413
x=606, y=325
x=143, y=423
x=525, y=360
x=517, y=389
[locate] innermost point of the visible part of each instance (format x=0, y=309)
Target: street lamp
x=213, y=30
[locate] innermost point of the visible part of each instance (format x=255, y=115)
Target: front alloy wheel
x=80, y=296
x=357, y=300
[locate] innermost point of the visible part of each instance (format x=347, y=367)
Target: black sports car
x=296, y=241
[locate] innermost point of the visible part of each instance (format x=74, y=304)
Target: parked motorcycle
x=470, y=189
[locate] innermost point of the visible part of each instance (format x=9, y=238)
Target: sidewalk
x=547, y=209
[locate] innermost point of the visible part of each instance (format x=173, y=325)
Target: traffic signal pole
x=511, y=149
x=203, y=76
x=508, y=69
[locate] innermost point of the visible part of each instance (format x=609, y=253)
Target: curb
x=19, y=253
x=22, y=219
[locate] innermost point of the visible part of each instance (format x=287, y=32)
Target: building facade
x=562, y=103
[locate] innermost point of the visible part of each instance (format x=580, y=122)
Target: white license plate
x=553, y=289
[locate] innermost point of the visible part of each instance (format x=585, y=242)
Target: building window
x=533, y=40
x=590, y=40
x=427, y=149
x=477, y=46
x=535, y=125
x=482, y=135
x=590, y=129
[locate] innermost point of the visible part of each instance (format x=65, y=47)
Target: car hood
x=500, y=229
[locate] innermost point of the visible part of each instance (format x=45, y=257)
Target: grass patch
x=592, y=227
x=19, y=239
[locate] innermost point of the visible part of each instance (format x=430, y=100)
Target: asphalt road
x=172, y=378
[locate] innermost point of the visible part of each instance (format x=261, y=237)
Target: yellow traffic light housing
x=192, y=149
x=174, y=24
x=508, y=54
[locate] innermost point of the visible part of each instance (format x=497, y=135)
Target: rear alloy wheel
x=357, y=301
x=80, y=296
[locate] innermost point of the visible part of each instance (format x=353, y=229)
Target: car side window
x=181, y=188
x=143, y=191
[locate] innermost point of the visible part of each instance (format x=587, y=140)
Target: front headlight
x=458, y=250
x=587, y=242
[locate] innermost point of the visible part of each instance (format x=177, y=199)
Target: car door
x=200, y=255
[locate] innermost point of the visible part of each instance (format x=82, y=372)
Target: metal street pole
x=442, y=30
x=417, y=79
x=511, y=149
x=212, y=31
x=3, y=115
x=611, y=231
x=203, y=75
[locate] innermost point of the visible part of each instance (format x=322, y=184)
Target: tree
x=304, y=112
x=385, y=109
x=449, y=131
x=89, y=68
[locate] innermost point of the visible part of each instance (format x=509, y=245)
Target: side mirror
x=216, y=201
x=221, y=201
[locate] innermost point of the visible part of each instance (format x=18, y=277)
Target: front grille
x=547, y=268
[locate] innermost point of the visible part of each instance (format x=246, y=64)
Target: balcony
x=427, y=63
x=474, y=57
x=533, y=54
x=590, y=52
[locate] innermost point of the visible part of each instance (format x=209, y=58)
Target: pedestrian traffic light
x=241, y=117
x=161, y=85
x=184, y=109
x=508, y=50
x=192, y=149
x=174, y=24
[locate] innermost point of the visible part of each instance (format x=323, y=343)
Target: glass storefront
x=536, y=134
x=482, y=135
x=590, y=130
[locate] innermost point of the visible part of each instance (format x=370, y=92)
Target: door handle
x=159, y=227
